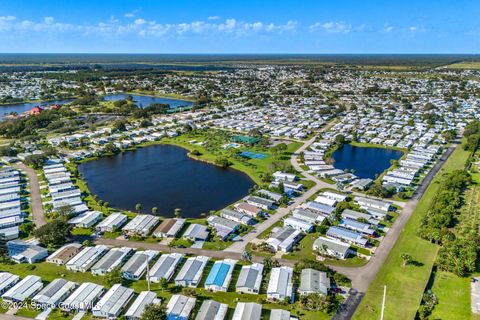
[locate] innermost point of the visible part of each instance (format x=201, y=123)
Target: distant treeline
x=210, y=59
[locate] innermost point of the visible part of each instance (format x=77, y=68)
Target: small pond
x=366, y=162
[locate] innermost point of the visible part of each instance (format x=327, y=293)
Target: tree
x=270, y=263
x=340, y=139
x=154, y=210
x=86, y=243
x=26, y=229
x=36, y=161
x=120, y=125
x=458, y=255
x=222, y=162
x=138, y=207
x=65, y=211
x=154, y=311
x=195, y=152
x=163, y=283
x=406, y=259
x=113, y=277
x=178, y=212
x=247, y=256
x=54, y=234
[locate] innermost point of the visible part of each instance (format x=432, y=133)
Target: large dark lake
x=163, y=176
x=140, y=100
x=366, y=162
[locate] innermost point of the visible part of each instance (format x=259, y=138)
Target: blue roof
x=218, y=274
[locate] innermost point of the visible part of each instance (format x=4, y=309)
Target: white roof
x=114, y=300
x=180, y=306
x=87, y=257
x=84, y=296
x=54, y=292
x=138, y=306
x=7, y=279
x=26, y=288
x=113, y=220
x=280, y=281
x=165, y=266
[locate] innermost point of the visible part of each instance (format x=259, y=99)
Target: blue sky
x=262, y=26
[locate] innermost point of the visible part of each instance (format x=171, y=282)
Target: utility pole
x=383, y=303
x=148, y=272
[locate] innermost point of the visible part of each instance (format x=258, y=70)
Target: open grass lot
x=453, y=294
x=405, y=285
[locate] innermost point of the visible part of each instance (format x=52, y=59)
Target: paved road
x=35, y=195
x=165, y=248
x=282, y=212
x=12, y=317
x=362, y=276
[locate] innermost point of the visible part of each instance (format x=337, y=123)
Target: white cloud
x=142, y=27
x=131, y=14
x=48, y=20
x=332, y=27
x=213, y=18
x=7, y=18
x=388, y=28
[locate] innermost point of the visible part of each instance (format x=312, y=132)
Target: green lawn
x=453, y=294
x=405, y=285
x=28, y=312
x=304, y=249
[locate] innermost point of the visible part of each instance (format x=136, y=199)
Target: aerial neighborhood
x=248, y=191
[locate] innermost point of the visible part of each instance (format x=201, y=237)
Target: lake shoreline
x=199, y=180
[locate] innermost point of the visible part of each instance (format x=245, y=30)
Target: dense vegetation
x=54, y=234
x=49, y=119
x=472, y=133
x=442, y=212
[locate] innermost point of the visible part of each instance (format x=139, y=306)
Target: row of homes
x=11, y=214
x=62, y=191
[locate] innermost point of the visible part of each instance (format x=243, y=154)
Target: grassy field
x=406, y=284
x=465, y=65
x=453, y=294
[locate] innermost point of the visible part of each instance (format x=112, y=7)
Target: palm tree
x=406, y=258
x=154, y=210
x=138, y=207
x=178, y=213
